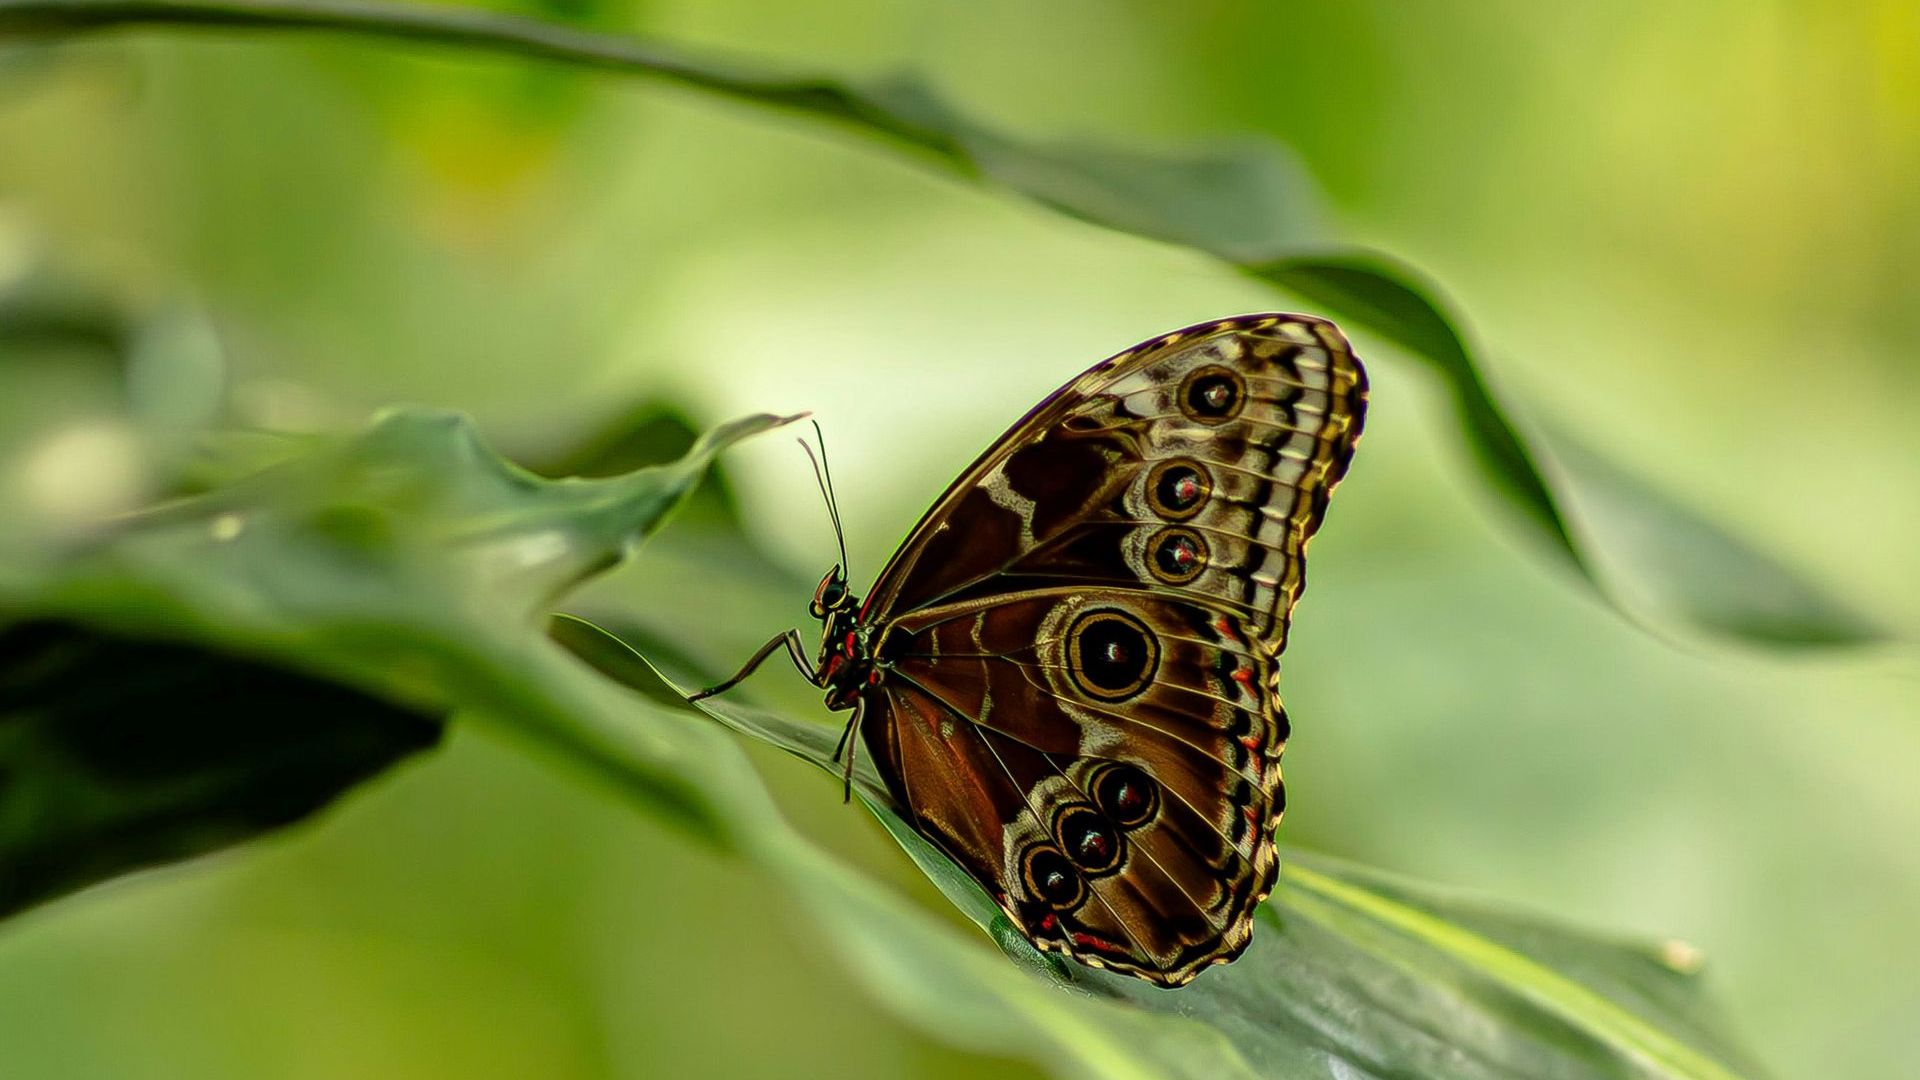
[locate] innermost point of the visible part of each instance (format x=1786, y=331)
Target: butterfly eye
x=1128, y=796
x=831, y=594
x=1053, y=879
x=1090, y=842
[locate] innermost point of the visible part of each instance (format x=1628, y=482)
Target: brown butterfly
x=1068, y=674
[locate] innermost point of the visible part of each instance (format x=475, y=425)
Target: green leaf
x=118, y=753
x=1674, y=561
x=409, y=565
x=229, y=663
x=1247, y=205
x=1695, y=570
x=1383, y=301
x=407, y=569
x=1351, y=973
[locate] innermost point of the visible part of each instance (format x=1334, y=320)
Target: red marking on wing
x=1088, y=941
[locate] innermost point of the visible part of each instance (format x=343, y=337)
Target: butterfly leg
x=795, y=650
x=850, y=746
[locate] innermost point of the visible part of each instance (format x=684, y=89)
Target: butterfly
x=1067, y=675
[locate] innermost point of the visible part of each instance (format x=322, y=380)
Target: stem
x=499, y=32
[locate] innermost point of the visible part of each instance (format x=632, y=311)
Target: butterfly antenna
x=824, y=478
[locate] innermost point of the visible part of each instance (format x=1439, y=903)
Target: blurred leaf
x=104, y=397
x=645, y=433
x=1242, y=205
x=42, y=313
x=1383, y=301
x=1676, y=562
x=707, y=531
x=118, y=753
x=228, y=663
x=410, y=564
x=165, y=360
x=1729, y=588
x=1352, y=972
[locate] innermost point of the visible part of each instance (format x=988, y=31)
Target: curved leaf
x=1352, y=973
x=118, y=753
x=230, y=663
x=1681, y=565
x=409, y=565
x=1244, y=205
x=1381, y=300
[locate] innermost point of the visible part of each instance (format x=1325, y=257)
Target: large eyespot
x=1126, y=795
x=1177, y=489
x=1177, y=555
x=1212, y=395
x=1087, y=838
x=1111, y=654
x=1051, y=878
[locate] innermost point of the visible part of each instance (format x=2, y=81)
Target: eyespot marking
x=1129, y=797
x=1111, y=655
x=1212, y=394
x=1177, y=555
x=1052, y=878
x=1178, y=488
x=1088, y=840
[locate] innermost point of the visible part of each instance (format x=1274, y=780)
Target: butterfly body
x=1068, y=674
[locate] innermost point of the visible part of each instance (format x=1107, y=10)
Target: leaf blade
x=1249, y=207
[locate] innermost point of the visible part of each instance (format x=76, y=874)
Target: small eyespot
x=1126, y=795
x=1177, y=489
x=1212, y=395
x=1178, y=555
x=1089, y=841
x=1051, y=878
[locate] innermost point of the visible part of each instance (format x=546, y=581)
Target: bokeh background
x=1690, y=233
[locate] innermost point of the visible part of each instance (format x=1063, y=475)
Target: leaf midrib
x=1541, y=985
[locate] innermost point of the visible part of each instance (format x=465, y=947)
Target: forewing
x=1199, y=462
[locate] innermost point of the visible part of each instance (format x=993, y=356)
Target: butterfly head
x=832, y=596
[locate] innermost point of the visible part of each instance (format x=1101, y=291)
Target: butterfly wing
x=1119, y=808
x=1080, y=641
x=1224, y=439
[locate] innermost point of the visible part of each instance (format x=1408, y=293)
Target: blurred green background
x=1691, y=233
